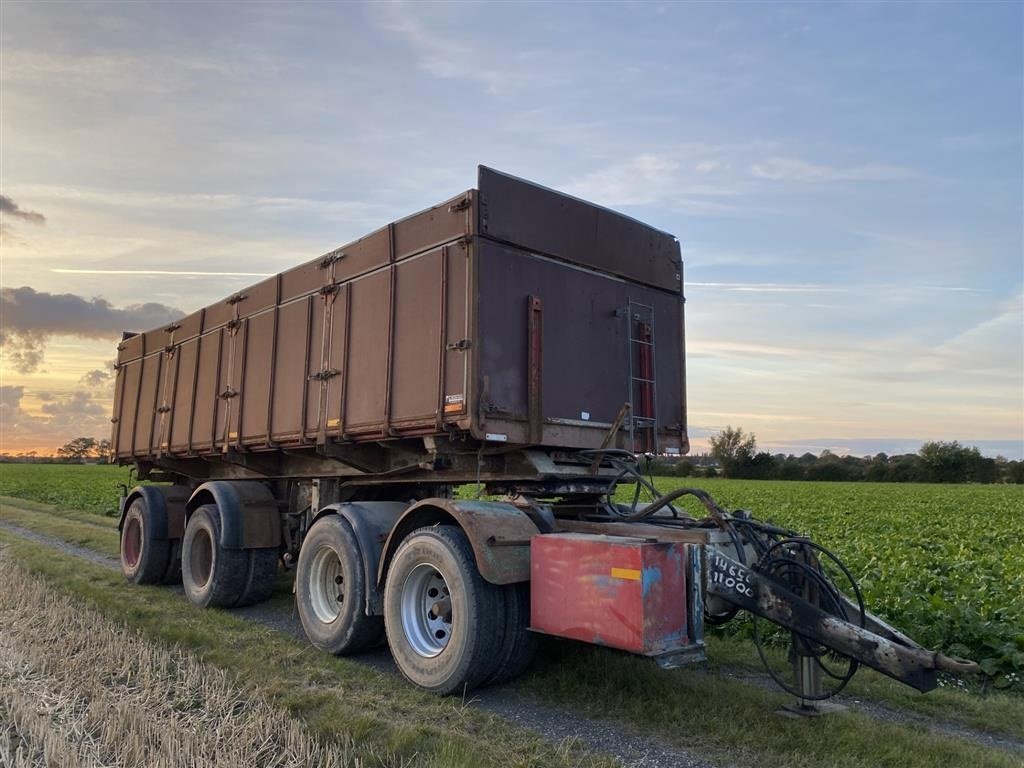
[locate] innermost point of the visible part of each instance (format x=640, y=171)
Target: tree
x=79, y=448
x=734, y=450
x=951, y=462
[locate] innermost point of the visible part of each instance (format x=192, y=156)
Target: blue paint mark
x=649, y=577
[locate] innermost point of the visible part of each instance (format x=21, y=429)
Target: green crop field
x=944, y=563
x=86, y=487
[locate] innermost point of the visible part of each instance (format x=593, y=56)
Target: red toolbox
x=630, y=593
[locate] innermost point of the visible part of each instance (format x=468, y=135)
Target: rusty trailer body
x=510, y=336
x=508, y=315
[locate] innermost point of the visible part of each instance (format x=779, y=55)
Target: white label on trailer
x=496, y=437
x=585, y=415
x=453, y=399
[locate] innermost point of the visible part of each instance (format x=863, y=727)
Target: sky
x=846, y=181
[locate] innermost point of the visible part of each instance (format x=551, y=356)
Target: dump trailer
x=428, y=425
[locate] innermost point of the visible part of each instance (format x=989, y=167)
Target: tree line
x=76, y=451
x=734, y=454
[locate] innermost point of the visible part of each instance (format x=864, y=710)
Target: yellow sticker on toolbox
x=632, y=574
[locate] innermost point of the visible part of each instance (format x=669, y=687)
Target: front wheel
x=444, y=622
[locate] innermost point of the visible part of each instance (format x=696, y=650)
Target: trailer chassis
x=397, y=554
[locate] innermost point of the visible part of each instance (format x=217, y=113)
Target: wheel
x=261, y=576
x=210, y=574
x=173, y=573
x=144, y=559
x=330, y=590
x=518, y=644
x=214, y=575
x=444, y=622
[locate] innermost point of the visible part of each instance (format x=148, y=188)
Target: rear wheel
x=211, y=574
x=444, y=622
x=144, y=559
x=519, y=644
x=330, y=590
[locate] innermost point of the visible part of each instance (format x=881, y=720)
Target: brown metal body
x=496, y=320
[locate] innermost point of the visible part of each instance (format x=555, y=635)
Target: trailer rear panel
x=509, y=313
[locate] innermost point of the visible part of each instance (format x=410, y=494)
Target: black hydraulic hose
x=778, y=566
x=663, y=501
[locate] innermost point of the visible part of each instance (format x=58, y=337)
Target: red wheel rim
x=131, y=542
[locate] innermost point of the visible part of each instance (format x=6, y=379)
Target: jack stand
x=808, y=680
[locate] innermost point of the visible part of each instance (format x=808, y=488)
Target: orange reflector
x=632, y=574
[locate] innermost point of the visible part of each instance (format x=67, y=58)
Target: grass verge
x=728, y=717
x=339, y=701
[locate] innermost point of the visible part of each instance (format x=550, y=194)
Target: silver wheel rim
x=326, y=585
x=426, y=610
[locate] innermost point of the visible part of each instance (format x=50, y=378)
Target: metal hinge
x=233, y=325
x=330, y=289
x=331, y=258
x=228, y=393
x=169, y=350
x=172, y=328
x=460, y=206
x=235, y=298
x=460, y=346
x=324, y=375
x=163, y=409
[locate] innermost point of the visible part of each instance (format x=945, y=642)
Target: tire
x=261, y=576
x=519, y=645
x=333, y=612
x=144, y=559
x=444, y=645
x=173, y=573
x=211, y=574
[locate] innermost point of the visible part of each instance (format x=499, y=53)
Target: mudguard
x=248, y=512
x=499, y=533
x=166, y=506
x=370, y=521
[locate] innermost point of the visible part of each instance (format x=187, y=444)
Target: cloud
x=187, y=273
x=98, y=377
x=680, y=177
x=993, y=347
x=10, y=208
x=31, y=317
x=445, y=48
x=79, y=414
x=642, y=180
x=795, y=169
x=446, y=57
x=770, y=287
